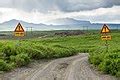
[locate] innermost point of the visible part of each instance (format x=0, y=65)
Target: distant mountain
x=68, y=21
x=10, y=25
x=58, y=24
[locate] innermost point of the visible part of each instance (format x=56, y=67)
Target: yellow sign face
x=19, y=34
x=107, y=37
x=19, y=31
x=105, y=29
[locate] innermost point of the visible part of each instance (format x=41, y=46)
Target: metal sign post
x=106, y=46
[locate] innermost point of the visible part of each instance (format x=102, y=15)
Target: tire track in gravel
x=49, y=72
x=69, y=68
x=80, y=70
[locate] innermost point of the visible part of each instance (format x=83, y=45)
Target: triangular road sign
x=19, y=28
x=105, y=29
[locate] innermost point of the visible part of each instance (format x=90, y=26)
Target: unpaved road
x=70, y=68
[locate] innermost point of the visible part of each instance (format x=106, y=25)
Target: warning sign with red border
x=105, y=29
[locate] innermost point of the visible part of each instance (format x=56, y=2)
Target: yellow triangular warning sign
x=105, y=29
x=19, y=28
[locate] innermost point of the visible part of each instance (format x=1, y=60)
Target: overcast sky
x=43, y=11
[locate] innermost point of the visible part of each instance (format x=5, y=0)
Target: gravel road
x=69, y=68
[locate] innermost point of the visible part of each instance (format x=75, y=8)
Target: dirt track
x=70, y=68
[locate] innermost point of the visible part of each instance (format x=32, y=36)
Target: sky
x=43, y=11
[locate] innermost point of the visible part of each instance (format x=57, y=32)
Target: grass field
x=15, y=53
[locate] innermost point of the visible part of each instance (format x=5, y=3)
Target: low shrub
x=21, y=59
x=9, y=50
x=107, y=62
x=5, y=66
x=35, y=54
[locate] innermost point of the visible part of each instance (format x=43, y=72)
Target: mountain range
x=58, y=24
x=68, y=21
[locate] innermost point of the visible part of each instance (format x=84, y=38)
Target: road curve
x=69, y=68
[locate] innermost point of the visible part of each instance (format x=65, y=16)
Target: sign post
x=105, y=35
x=19, y=31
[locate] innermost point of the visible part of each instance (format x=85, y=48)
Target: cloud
x=45, y=6
x=96, y=15
x=42, y=11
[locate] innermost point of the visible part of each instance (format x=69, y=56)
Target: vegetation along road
x=57, y=58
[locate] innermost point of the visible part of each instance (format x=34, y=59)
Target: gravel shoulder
x=69, y=68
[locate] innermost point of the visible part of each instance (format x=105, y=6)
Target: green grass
x=14, y=53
